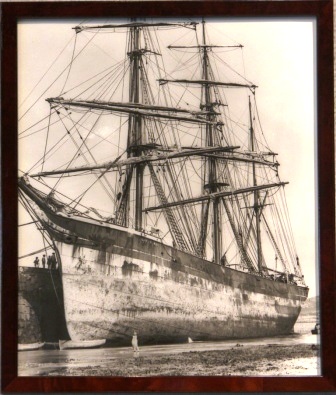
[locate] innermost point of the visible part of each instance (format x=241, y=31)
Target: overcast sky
x=278, y=57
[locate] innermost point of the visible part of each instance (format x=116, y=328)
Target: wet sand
x=293, y=355
x=269, y=360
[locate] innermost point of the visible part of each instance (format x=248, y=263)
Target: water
x=43, y=362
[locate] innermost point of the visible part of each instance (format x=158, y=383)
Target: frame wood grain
x=323, y=12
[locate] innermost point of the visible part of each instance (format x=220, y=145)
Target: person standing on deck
x=43, y=261
x=49, y=262
x=53, y=261
x=36, y=262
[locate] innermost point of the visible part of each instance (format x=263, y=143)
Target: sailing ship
x=192, y=237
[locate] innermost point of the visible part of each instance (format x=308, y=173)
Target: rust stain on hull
x=167, y=295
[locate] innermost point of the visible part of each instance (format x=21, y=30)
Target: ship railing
x=237, y=266
x=151, y=231
x=285, y=277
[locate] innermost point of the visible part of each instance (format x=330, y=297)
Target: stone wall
x=41, y=312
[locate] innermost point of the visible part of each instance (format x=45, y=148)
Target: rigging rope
x=46, y=142
x=51, y=65
x=70, y=66
x=34, y=252
x=55, y=79
x=83, y=155
x=39, y=130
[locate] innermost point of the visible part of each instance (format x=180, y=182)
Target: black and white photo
x=167, y=189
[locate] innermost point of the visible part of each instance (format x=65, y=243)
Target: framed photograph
x=168, y=197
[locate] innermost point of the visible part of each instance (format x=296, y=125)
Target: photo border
x=323, y=12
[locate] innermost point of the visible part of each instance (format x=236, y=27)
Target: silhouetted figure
x=53, y=261
x=49, y=262
x=36, y=262
x=43, y=261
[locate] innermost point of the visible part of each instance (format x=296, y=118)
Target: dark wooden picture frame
x=323, y=12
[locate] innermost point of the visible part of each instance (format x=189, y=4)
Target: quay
x=40, y=310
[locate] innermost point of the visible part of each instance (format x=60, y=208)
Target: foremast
x=139, y=95
x=135, y=121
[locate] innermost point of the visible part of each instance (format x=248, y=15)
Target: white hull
x=30, y=346
x=71, y=344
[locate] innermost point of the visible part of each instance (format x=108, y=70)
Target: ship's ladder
x=168, y=213
x=203, y=232
x=121, y=212
x=285, y=266
x=238, y=237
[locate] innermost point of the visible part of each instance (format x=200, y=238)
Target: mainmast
x=256, y=205
x=211, y=181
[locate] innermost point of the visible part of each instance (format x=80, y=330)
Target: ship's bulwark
x=130, y=282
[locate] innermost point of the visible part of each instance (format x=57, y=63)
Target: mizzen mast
x=256, y=205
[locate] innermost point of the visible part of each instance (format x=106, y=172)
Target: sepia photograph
x=168, y=197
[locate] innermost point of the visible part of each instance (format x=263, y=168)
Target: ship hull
x=115, y=282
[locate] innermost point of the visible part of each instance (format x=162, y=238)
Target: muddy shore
x=294, y=355
x=274, y=360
